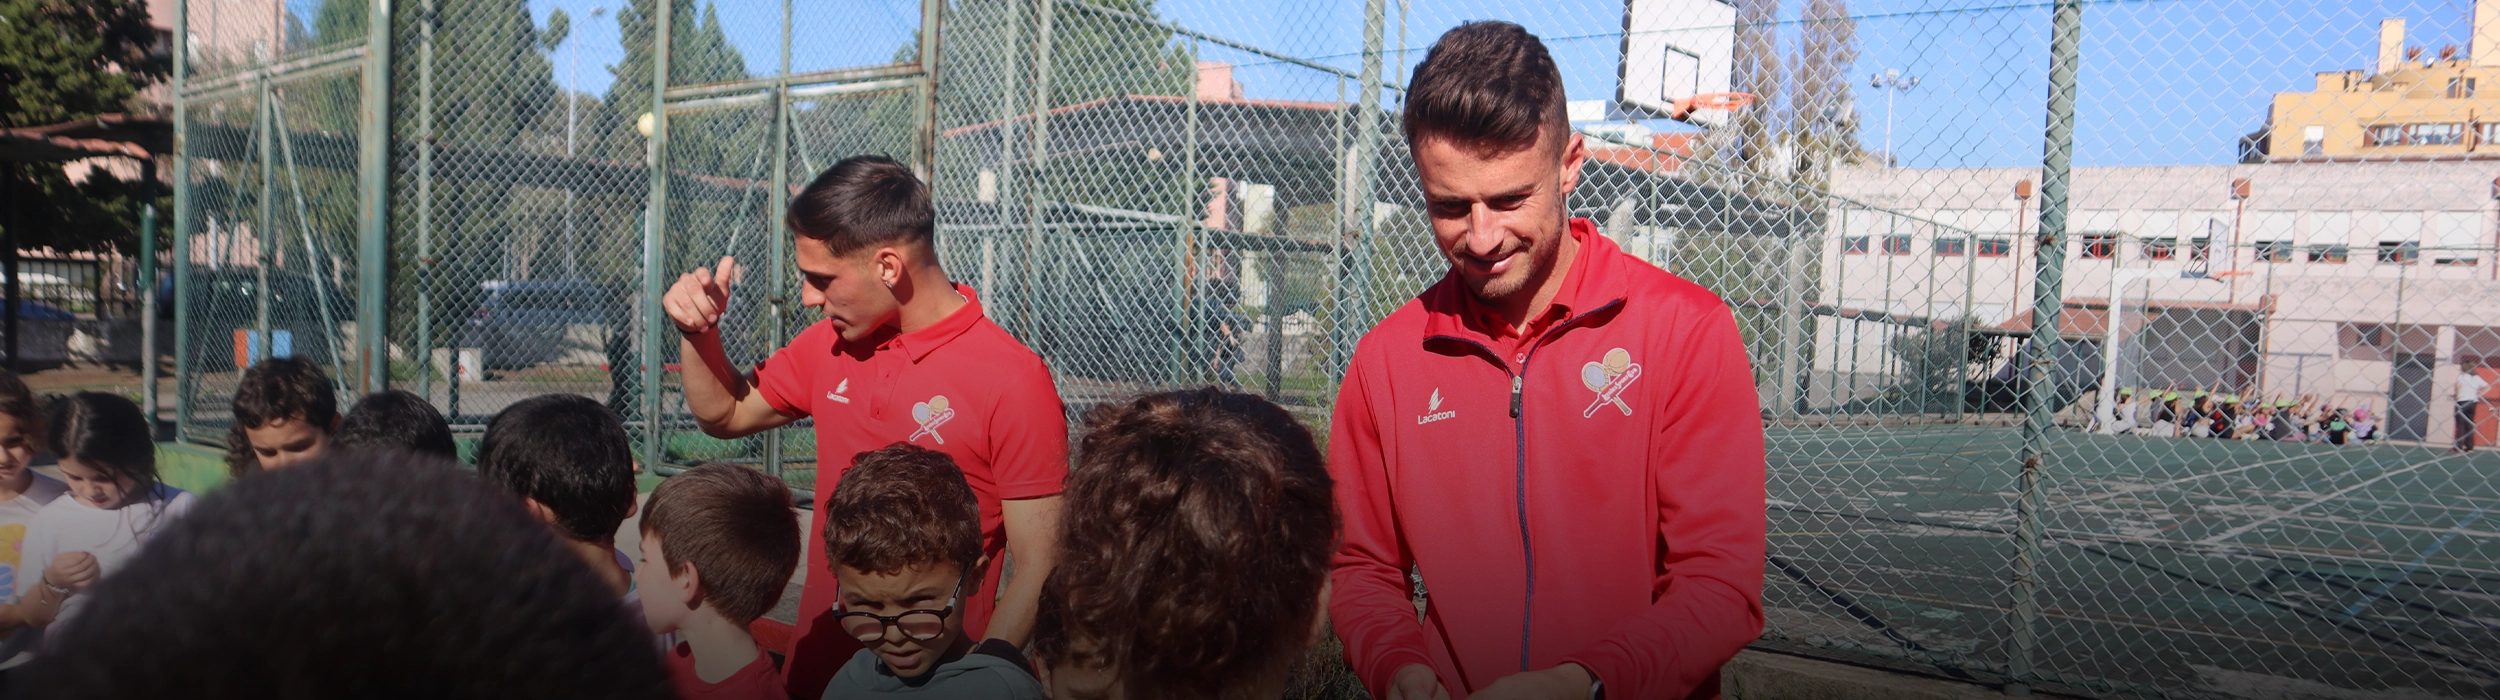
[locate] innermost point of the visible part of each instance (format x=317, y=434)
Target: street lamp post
x=1892, y=82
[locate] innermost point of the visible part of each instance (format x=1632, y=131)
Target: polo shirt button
x=1523, y=358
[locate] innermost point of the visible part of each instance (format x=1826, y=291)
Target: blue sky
x=2164, y=81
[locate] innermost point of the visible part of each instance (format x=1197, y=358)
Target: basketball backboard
x=1672, y=51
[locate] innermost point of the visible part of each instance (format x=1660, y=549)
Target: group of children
x=2214, y=414
x=1194, y=552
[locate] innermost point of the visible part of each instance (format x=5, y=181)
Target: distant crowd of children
x=1194, y=556
x=2198, y=413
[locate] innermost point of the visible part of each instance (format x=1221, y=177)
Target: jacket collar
x=1594, y=282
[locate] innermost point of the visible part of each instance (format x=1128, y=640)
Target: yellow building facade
x=2415, y=106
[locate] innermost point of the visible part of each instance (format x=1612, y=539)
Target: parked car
x=226, y=300
x=520, y=323
x=31, y=310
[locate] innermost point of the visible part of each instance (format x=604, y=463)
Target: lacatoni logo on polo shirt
x=1609, y=377
x=836, y=393
x=930, y=414
x=1433, y=412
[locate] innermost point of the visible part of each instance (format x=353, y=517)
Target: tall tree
x=62, y=60
x=1823, y=115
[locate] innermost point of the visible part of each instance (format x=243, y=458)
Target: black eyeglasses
x=916, y=624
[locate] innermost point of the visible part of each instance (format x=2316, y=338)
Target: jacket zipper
x=1519, y=450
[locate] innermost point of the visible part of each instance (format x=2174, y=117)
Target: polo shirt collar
x=918, y=344
x=1593, y=282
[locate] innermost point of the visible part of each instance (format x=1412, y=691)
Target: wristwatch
x=1597, y=689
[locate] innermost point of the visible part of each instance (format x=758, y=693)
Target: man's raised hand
x=699, y=298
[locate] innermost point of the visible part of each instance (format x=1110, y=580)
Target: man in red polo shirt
x=1563, y=439
x=903, y=355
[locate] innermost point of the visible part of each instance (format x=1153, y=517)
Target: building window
x=2200, y=248
x=2327, y=253
x=2399, y=252
x=1996, y=247
x=2313, y=140
x=2487, y=132
x=2455, y=256
x=2100, y=246
x=2274, y=251
x=2384, y=135
x=2161, y=248
x=2460, y=88
x=1854, y=245
x=2440, y=134
x=1950, y=246
x=1896, y=244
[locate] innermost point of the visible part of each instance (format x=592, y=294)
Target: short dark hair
x=18, y=402
x=404, y=578
x=569, y=454
x=396, y=420
x=106, y=433
x=1489, y=87
x=1194, y=542
x=735, y=525
x=900, y=507
x=291, y=388
x=865, y=201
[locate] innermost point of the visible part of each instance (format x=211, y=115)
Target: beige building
x=2359, y=282
x=2416, y=104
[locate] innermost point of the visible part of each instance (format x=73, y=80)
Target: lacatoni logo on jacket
x=1433, y=412
x=930, y=414
x=1609, y=377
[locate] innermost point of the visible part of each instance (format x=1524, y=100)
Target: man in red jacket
x=1561, y=438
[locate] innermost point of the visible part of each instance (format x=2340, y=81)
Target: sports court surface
x=2253, y=569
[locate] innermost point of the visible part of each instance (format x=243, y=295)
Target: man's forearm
x=1018, y=600
x=713, y=388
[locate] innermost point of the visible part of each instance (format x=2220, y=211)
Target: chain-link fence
x=1975, y=249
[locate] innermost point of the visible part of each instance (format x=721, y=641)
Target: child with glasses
x=718, y=544
x=903, y=532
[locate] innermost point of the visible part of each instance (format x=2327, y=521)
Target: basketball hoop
x=1721, y=101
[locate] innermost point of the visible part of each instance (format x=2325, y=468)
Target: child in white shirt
x=115, y=506
x=23, y=492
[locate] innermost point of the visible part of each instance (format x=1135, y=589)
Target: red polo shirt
x=963, y=387
x=1588, y=492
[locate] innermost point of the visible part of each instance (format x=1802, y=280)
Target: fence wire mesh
x=2223, y=470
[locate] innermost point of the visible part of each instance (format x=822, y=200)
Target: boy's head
x=372, y=553
x=904, y=533
x=568, y=457
x=1194, y=551
x=718, y=538
x=866, y=227
x=396, y=420
x=283, y=413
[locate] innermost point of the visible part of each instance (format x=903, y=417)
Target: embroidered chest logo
x=930, y=414
x=1609, y=378
x=836, y=394
x=1433, y=412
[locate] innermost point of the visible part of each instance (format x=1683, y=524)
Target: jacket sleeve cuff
x=1383, y=668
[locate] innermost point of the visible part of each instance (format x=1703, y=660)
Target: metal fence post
x=1184, y=339
x=778, y=299
x=373, y=223
x=1039, y=189
x=425, y=223
x=265, y=241
x=654, y=246
x=924, y=139
x=2047, y=294
x=147, y=290
x=1353, y=293
x=182, y=223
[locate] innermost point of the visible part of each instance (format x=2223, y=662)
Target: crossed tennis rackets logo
x=930, y=414
x=1609, y=378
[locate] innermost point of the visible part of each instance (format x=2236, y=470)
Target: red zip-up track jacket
x=1593, y=495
